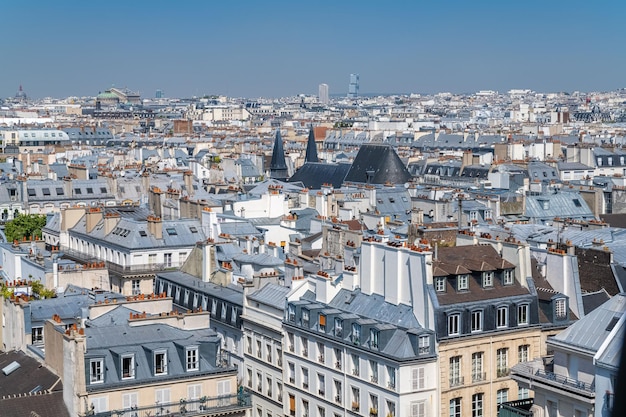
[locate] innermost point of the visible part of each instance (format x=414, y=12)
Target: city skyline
x=274, y=49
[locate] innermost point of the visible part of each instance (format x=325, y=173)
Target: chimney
x=155, y=200
x=110, y=221
x=417, y=216
x=155, y=226
x=93, y=217
x=188, y=179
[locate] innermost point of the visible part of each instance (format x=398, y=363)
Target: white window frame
x=96, y=371
x=487, y=279
x=463, y=282
x=502, y=317
x=476, y=321
x=509, y=277
x=522, y=315
x=440, y=284
x=131, y=370
x=454, y=324
x=560, y=309
x=163, y=368
x=192, y=360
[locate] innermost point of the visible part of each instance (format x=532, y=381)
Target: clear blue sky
x=279, y=48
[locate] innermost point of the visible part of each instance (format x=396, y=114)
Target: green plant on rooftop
x=25, y=226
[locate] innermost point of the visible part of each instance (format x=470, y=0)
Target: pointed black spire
x=278, y=166
x=311, y=148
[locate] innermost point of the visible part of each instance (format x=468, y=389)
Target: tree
x=25, y=225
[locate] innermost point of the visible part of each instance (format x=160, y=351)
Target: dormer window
x=96, y=371
x=374, y=333
x=508, y=277
x=440, y=284
x=160, y=362
x=128, y=367
x=462, y=282
x=322, y=322
x=487, y=279
x=356, y=333
x=191, y=354
x=338, y=327
x=502, y=317
x=305, y=318
x=291, y=316
x=560, y=310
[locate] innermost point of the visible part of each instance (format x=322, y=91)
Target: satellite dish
x=407, y=185
x=122, y=173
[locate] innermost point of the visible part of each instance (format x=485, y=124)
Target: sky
x=283, y=48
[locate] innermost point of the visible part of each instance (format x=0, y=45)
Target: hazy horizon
x=285, y=48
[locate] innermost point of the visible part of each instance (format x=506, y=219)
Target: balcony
x=355, y=406
x=456, y=381
x=537, y=373
x=305, y=353
x=321, y=392
x=391, y=385
x=338, y=399
x=338, y=365
x=305, y=385
x=479, y=377
x=373, y=412
x=292, y=380
x=236, y=404
x=502, y=372
x=374, y=379
x=355, y=372
x=320, y=358
x=292, y=348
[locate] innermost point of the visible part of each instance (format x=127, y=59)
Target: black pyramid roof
x=377, y=164
x=311, y=148
x=278, y=166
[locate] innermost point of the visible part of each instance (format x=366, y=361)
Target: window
x=374, y=371
x=440, y=284
x=356, y=399
x=162, y=395
x=99, y=404
x=320, y=351
x=455, y=407
x=192, y=358
x=373, y=405
x=60, y=191
x=508, y=277
x=523, y=353
x=477, y=321
x=338, y=327
x=463, y=282
x=171, y=231
x=559, y=307
x=338, y=358
x=453, y=324
x=223, y=311
x=391, y=408
x=136, y=286
x=292, y=405
x=89, y=190
x=502, y=367
x=291, y=343
x=355, y=365
x=291, y=313
x=477, y=367
x=322, y=322
x=338, y=391
x=487, y=279
x=305, y=318
x=417, y=378
x=356, y=333
x=160, y=363
x=249, y=375
x=502, y=317
x=128, y=367
x=31, y=192
x=77, y=191
x=417, y=409
x=167, y=259
x=455, y=371
x=523, y=393
x=305, y=347
x=502, y=396
x=321, y=385
x=522, y=314
x=477, y=405
x=96, y=367
x=103, y=190
x=423, y=344
x=374, y=338
x=130, y=401
x=391, y=376
x=45, y=191
x=37, y=335
x=292, y=372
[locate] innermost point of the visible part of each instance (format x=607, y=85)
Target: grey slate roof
x=315, y=174
x=271, y=294
x=590, y=332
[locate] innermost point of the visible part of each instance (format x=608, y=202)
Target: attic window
x=171, y=231
x=89, y=190
x=103, y=190
x=577, y=202
x=77, y=191
x=143, y=233
x=559, y=308
x=392, y=200
x=193, y=229
x=462, y=282
x=31, y=192
x=545, y=204
x=45, y=191
x=440, y=284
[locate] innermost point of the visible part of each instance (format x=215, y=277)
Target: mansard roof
x=377, y=164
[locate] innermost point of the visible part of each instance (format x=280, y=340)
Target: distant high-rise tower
x=158, y=94
x=323, y=93
x=353, y=88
